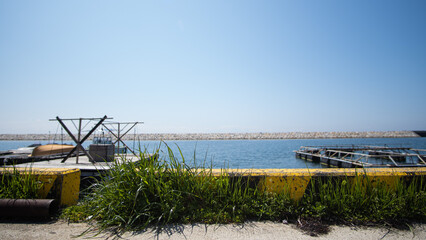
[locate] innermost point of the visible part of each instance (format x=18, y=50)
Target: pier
x=104, y=152
x=84, y=164
x=363, y=156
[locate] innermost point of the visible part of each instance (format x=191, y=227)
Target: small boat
x=51, y=149
x=24, y=150
x=34, y=152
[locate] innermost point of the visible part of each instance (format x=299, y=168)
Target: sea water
x=245, y=153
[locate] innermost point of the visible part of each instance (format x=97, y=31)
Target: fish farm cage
x=350, y=156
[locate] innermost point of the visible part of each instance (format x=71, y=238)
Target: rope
x=74, y=125
x=134, y=137
x=54, y=136
x=86, y=125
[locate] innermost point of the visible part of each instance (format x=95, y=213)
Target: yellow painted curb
x=62, y=184
x=296, y=181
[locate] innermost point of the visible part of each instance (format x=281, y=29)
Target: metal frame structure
x=119, y=136
x=358, y=156
x=79, y=140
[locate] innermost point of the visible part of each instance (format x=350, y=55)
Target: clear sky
x=215, y=66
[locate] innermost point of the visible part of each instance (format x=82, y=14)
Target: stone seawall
x=229, y=136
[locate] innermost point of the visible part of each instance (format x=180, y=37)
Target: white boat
x=25, y=150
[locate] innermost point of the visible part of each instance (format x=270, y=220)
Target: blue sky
x=215, y=66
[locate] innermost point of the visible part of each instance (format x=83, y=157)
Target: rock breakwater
x=229, y=136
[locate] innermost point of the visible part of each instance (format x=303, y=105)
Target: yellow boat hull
x=51, y=149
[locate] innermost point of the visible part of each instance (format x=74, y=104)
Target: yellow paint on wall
x=47, y=181
x=295, y=181
x=295, y=186
x=70, y=188
x=64, y=181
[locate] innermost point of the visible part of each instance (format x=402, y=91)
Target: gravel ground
x=255, y=230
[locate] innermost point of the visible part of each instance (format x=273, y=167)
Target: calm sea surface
x=247, y=153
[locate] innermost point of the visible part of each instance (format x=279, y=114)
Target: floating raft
x=363, y=156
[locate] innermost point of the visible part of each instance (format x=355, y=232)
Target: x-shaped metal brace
x=118, y=138
x=79, y=143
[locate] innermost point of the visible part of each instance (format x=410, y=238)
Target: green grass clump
x=156, y=192
x=16, y=185
x=361, y=199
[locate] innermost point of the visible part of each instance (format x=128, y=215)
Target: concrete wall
x=296, y=181
x=62, y=184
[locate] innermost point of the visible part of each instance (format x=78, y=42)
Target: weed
x=157, y=192
x=15, y=184
x=154, y=192
x=360, y=199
